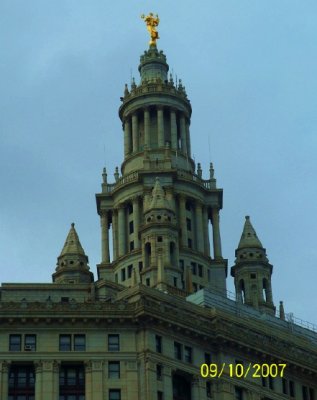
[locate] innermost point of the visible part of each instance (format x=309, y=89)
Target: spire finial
x=73, y=224
x=104, y=175
x=151, y=24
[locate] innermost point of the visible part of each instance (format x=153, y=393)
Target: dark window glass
x=65, y=343
x=311, y=394
x=130, y=267
x=15, y=342
x=130, y=209
x=189, y=243
x=140, y=266
x=188, y=206
x=113, y=343
x=263, y=381
x=305, y=392
x=159, y=395
x=114, y=394
x=159, y=369
x=79, y=342
x=271, y=383
x=188, y=356
x=291, y=388
x=284, y=385
x=65, y=299
x=123, y=274
x=189, y=224
x=238, y=393
x=195, y=287
x=207, y=358
x=114, y=369
x=181, y=264
x=30, y=343
x=158, y=343
x=200, y=270
x=208, y=275
x=208, y=389
x=177, y=350
x=131, y=227
x=147, y=281
x=194, y=268
x=131, y=245
x=175, y=281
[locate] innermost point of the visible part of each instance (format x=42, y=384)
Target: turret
x=72, y=263
x=252, y=271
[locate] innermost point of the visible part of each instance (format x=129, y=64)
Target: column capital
x=5, y=366
x=159, y=107
x=103, y=213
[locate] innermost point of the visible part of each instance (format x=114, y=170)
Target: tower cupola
x=252, y=271
x=72, y=263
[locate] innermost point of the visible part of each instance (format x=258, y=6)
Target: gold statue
x=151, y=24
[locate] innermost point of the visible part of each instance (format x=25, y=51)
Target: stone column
x=136, y=222
x=173, y=130
x=50, y=380
x=121, y=230
x=160, y=127
x=216, y=233
x=105, y=256
x=183, y=133
x=38, y=380
x=147, y=128
x=206, y=231
x=4, y=379
x=182, y=217
x=167, y=383
x=115, y=233
x=94, y=380
x=188, y=140
x=135, y=133
x=199, y=227
x=127, y=137
x=198, y=388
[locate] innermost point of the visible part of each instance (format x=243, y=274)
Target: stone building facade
x=158, y=309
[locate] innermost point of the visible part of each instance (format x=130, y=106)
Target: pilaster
x=160, y=127
x=147, y=128
x=94, y=381
x=216, y=234
x=136, y=221
x=121, y=230
x=4, y=379
x=183, y=133
x=173, y=130
x=127, y=137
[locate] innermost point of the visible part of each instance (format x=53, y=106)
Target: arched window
x=265, y=290
x=241, y=291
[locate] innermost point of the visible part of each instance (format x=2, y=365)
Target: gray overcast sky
x=249, y=68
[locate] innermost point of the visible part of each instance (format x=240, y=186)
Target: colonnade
x=120, y=229
x=176, y=132
x=201, y=231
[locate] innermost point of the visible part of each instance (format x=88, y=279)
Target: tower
x=159, y=208
x=72, y=264
x=252, y=271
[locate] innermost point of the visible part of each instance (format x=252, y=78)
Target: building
x=158, y=309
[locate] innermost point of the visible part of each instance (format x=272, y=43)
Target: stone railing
x=207, y=184
x=110, y=187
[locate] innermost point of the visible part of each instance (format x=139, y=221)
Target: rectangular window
x=15, y=342
x=114, y=369
x=30, y=343
x=208, y=389
x=194, y=268
x=79, y=342
x=177, y=350
x=189, y=224
x=195, y=287
x=123, y=275
x=140, y=266
x=65, y=343
x=238, y=393
x=207, y=358
x=200, y=270
x=189, y=241
x=114, y=394
x=131, y=227
x=130, y=267
x=263, y=381
x=158, y=343
x=147, y=281
x=284, y=385
x=305, y=392
x=132, y=245
x=188, y=356
x=292, y=388
x=159, y=369
x=113, y=343
x=175, y=281
x=208, y=275
x=311, y=394
x=159, y=395
x=271, y=383
x=181, y=264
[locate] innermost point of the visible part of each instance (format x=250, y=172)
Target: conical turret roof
x=249, y=237
x=72, y=244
